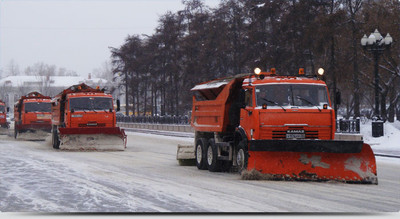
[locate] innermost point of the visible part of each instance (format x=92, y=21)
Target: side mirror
x=118, y=105
x=8, y=109
x=338, y=99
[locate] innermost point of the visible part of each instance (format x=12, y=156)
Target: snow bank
x=389, y=142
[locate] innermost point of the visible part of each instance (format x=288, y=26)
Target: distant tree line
x=200, y=43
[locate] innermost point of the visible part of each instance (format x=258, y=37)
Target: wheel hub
x=209, y=155
x=199, y=154
x=240, y=158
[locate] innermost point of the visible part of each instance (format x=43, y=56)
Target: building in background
x=13, y=87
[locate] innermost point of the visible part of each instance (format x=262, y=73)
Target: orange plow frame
x=356, y=165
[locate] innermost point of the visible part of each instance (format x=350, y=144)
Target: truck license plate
x=295, y=134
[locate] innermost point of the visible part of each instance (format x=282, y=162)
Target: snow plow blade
x=4, y=131
x=92, y=139
x=33, y=135
x=312, y=160
x=185, y=155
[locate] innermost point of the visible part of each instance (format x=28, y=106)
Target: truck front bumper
x=328, y=146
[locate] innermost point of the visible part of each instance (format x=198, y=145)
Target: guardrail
x=182, y=120
x=160, y=127
x=348, y=125
x=182, y=123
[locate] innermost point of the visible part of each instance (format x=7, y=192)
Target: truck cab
x=3, y=115
x=286, y=107
x=32, y=113
x=89, y=110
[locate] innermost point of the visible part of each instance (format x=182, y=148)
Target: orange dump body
x=288, y=136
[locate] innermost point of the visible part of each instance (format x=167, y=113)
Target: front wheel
x=54, y=138
x=15, y=133
x=242, y=156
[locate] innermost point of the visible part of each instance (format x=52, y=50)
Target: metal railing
x=348, y=125
x=181, y=120
x=342, y=125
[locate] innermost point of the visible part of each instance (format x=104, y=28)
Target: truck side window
x=248, y=98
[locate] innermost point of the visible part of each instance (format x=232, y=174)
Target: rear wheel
x=200, y=153
x=54, y=138
x=213, y=163
x=242, y=156
x=15, y=133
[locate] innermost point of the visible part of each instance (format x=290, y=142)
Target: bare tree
x=12, y=68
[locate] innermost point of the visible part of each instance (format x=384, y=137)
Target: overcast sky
x=74, y=34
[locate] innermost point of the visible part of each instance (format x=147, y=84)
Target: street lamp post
x=376, y=45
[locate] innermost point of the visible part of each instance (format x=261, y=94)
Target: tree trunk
x=126, y=94
x=137, y=95
x=152, y=100
x=145, y=97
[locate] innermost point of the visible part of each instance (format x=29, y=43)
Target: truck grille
x=86, y=125
x=282, y=134
x=40, y=122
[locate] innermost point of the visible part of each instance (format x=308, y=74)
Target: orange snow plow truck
x=32, y=117
x=84, y=118
x=280, y=127
x=4, y=124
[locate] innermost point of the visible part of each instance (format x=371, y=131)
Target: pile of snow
x=390, y=142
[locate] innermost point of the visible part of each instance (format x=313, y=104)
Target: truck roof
x=82, y=94
x=36, y=100
x=248, y=76
x=283, y=79
x=80, y=88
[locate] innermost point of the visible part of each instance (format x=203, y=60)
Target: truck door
x=247, y=113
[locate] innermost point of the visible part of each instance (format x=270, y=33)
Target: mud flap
x=102, y=139
x=343, y=165
x=185, y=155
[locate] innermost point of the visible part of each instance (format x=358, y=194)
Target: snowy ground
x=147, y=178
x=387, y=144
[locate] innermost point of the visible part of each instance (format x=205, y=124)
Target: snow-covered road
x=147, y=178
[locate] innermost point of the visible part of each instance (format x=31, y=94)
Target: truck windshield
x=291, y=95
x=2, y=109
x=90, y=103
x=44, y=107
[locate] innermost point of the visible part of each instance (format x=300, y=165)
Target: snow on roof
x=55, y=81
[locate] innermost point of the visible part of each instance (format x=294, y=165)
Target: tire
x=54, y=138
x=213, y=164
x=15, y=130
x=242, y=156
x=200, y=153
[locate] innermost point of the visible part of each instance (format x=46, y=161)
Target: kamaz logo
x=295, y=131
